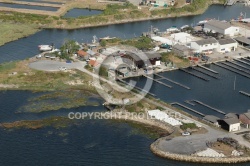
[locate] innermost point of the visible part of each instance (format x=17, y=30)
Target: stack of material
x=235, y=153
x=162, y=116
x=209, y=153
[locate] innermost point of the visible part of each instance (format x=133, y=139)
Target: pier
x=244, y=93
x=190, y=109
x=208, y=74
x=140, y=89
x=238, y=60
x=179, y=84
x=235, y=67
x=203, y=67
x=162, y=83
x=232, y=70
x=189, y=102
x=246, y=59
x=244, y=67
x=212, y=108
x=196, y=75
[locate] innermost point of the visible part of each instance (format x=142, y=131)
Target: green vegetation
x=56, y=122
x=69, y=48
x=178, y=61
x=7, y=66
x=114, y=8
x=186, y=126
x=56, y=100
x=103, y=71
x=142, y=43
x=11, y=31
x=103, y=43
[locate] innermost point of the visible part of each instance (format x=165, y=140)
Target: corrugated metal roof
x=219, y=24
x=206, y=41
x=226, y=41
x=231, y=121
x=211, y=118
x=243, y=40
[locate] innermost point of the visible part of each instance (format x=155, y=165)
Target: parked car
x=62, y=68
x=186, y=133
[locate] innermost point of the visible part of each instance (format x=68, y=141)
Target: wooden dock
x=203, y=67
x=244, y=67
x=137, y=88
x=196, y=75
x=159, y=82
x=235, y=67
x=238, y=60
x=208, y=74
x=232, y=70
x=244, y=93
x=190, y=109
x=212, y=108
x=177, y=83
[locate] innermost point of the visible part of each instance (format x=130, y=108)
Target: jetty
x=159, y=82
x=244, y=93
x=232, y=70
x=189, y=102
x=177, y=83
x=193, y=74
x=203, y=67
x=208, y=74
x=238, y=60
x=244, y=67
x=138, y=88
x=246, y=59
x=190, y=109
x=212, y=108
x=235, y=67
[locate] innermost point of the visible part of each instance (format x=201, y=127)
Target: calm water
x=91, y=142
x=27, y=47
x=20, y=6
x=73, y=13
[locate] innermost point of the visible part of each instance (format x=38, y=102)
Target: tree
x=103, y=43
x=68, y=49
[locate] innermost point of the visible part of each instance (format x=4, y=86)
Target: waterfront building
x=206, y=46
x=212, y=119
x=243, y=41
x=230, y=124
x=245, y=119
x=227, y=45
x=181, y=50
x=224, y=28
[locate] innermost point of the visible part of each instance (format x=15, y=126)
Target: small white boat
x=107, y=38
x=202, y=22
x=173, y=29
x=184, y=26
x=45, y=47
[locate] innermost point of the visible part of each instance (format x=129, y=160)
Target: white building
x=230, y=124
x=227, y=45
x=224, y=28
x=206, y=46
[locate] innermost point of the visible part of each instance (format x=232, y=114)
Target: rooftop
x=226, y=41
x=231, y=121
x=211, y=118
x=247, y=115
x=206, y=41
x=219, y=24
x=243, y=40
x=181, y=47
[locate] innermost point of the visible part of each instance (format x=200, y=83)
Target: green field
x=10, y=32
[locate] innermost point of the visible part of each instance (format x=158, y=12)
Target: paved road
x=50, y=65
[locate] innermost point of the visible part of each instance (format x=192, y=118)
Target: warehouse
x=224, y=28
x=227, y=45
